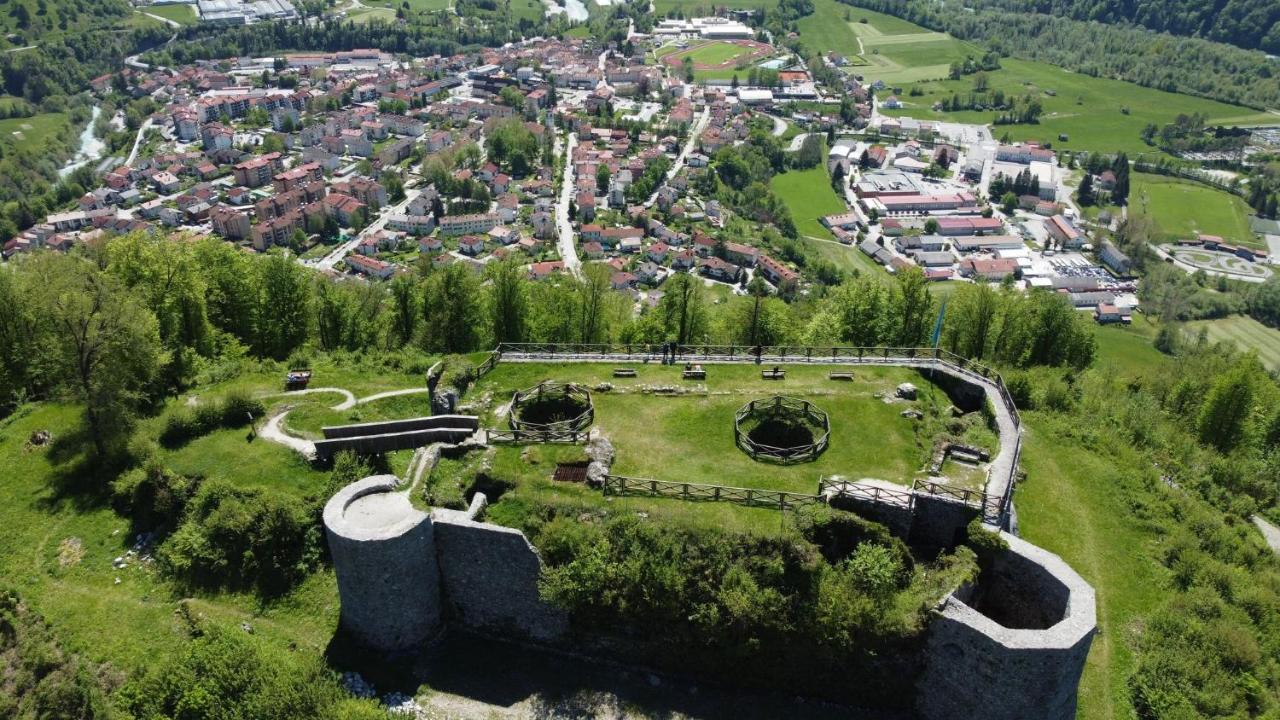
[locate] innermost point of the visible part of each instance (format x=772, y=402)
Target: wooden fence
x=537, y=436
x=750, y=497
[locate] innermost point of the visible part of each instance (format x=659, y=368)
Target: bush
x=229, y=675
x=152, y=497
x=242, y=538
x=183, y=425
x=41, y=679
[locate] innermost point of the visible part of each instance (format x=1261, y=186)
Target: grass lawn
x=846, y=257
x=1086, y=109
x=32, y=133
x=182, y=14
x=1181, y=209
x=809, y=196
x=366, y=15
x=1244, y=332
x=690, y=437
x=414, y=5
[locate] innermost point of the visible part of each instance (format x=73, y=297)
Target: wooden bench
x=773, y=374
x=624, y=373
x=840, y=376
x=695, y=374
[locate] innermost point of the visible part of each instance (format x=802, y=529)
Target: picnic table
x=840, y=376
x=695, y=372
x=297, y=379
x=624, y=372
x=774, y=374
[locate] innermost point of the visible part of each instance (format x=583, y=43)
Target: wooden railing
x=866, y=492
x=537, y=436
x=750, y=497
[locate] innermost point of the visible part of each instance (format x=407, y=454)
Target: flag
x=937, y=326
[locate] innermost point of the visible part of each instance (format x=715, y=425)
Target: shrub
x=238, y=407
x=242, y=538
x=41, y=678
x=152, y=496
x=180, y=428
x=183, y=425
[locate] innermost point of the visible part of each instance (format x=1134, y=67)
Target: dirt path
x=390, y=393
x=1270, y=532
x=273, y=429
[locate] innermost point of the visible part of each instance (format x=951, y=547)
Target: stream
x=90, y=148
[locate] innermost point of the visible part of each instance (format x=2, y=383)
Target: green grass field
x=846, y=257
x=827, y=30
x=414, y=5
x=1087, y=109
x=689, y=438
x=697, y=8
x=366, y=15
x=809, y=195
x=182, y=14
x=1245, y=333
x=1182, y=209
x=32, y=133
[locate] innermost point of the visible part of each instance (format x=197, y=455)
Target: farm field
x=1087, y=110
x=1181, y=209
x=1245, y=333
x=827, y=30
x=809, y=195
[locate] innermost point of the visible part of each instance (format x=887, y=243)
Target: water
x=91, y=147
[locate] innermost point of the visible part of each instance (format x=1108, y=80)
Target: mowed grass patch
x=414, y=5
x=1182, y=209
x=689, y=437
x=181, y=14
x=1128, y=349
x=1089, y=110
x=32, y=133
x=846, y=257
x=880, y=24
x=697, y=8
x=809, y=196
x=307, y=419
x=1245, y=333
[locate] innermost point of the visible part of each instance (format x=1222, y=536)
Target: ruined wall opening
x=1019, y=594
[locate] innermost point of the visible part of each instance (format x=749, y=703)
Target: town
x=563, y=152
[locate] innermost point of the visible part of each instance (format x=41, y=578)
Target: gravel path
x=1270, y=532
x=390, y=393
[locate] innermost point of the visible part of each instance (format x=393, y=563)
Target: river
x=90, y=149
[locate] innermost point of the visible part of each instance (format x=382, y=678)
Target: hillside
x=1250, y=24
x=28, y=22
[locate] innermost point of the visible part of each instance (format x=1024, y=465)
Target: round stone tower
x=384, y=555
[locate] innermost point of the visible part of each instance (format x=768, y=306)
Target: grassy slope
x=1181, y=209
x=826, y=30
x=1244, y=332
x=809, y=195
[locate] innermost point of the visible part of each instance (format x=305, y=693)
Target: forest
x=1250, y=24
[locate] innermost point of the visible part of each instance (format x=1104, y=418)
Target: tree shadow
x=79, y=477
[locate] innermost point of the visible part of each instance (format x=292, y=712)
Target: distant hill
x=1250, y=24
x=28, y=22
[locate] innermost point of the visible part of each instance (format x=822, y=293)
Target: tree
x=931, y=226
x=1085, y=193
x=100, y=343
x=1009, y=203
x=1226, y=408
x=683, y=309
x=404, y=309
x=1120, y=193
x=451, y=308
x=507, y=301
x=603, y=177
x=592, y=290
x=914, y=305
x=283, y=312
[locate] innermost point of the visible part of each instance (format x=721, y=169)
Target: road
x=137, y=142
x=565, y=237
x=699, y=124
x=328, y=262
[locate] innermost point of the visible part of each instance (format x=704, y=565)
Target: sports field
x=716, y=59
x=1245, y=333
x=1181, y=209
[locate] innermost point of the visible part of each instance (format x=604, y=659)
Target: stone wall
x=977, y=667
x=469, y=422
x=384, y=557
x=939, y=521
x=407, y=440
x=489, y=576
